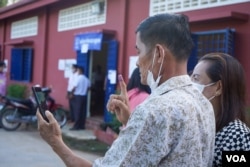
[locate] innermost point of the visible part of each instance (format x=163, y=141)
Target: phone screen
x=41, y=100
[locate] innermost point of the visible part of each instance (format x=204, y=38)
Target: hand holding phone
x=40, y=100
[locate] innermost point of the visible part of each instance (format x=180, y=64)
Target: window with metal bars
x=174, y=6
x=21, y=64
x=211, y=41
x=84, y=15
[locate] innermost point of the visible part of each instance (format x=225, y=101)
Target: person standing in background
x=80, y=91
x=3, y=78
x=3, y=81
x=70, y=97
x=97, y=91
x=137, y=92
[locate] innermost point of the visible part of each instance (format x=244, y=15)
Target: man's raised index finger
x=123, y=85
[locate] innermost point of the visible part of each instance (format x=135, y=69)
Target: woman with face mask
x=220, y=77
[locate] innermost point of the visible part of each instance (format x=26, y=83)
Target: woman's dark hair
x=233, y=96
x=135, y=82
x=171, y=30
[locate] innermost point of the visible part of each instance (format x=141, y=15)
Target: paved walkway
x=81, y=135
x=78, y=134
x=25, y=148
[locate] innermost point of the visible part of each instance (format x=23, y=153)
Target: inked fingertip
x=120, y=78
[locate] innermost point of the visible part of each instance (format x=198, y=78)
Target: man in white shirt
x=70, y=97
x=80, y=90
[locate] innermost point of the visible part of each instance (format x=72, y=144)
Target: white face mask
x=201, y=87
x=150, y=77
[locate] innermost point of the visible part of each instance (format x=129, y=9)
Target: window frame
x=21, y=65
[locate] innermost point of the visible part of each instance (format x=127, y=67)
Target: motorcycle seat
x=26, y=102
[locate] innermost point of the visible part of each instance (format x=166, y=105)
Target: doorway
x=102, y=58
x=97, y=74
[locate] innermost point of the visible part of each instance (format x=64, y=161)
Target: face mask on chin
x=153, y=84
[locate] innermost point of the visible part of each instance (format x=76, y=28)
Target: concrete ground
x=78, y=134
x=25, y=148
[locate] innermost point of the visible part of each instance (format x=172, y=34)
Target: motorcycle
x=15, y=111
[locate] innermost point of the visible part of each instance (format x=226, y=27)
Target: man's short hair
x=2, y=64
x=81, y=68
x=74, y=65
x=171, y=30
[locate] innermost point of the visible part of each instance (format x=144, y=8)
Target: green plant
x=3, y=3
x=17, y=91
x=114, y=124
x=91, y=146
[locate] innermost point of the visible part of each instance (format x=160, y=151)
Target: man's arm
x=69, y=158
x=74, y=87
x=51, y=133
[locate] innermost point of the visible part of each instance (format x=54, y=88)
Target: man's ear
x=160, y=53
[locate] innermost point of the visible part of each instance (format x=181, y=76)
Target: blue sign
x=93, y=41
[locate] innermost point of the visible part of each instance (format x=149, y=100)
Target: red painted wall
x=38, y=44
x=123, y=16
x=61, y=43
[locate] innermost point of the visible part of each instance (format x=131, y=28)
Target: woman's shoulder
x=236, y=132
x=233, y=137
x=239, y=126
x=135, y=92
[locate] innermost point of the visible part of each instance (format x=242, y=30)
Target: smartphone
x=40, y=100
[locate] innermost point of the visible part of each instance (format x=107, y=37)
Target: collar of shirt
x=172, y=83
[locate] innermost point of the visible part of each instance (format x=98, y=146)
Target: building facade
x=41, y=39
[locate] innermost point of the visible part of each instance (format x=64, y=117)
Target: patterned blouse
x=233, y=137
x=174, y=127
